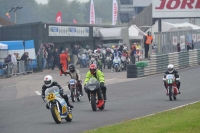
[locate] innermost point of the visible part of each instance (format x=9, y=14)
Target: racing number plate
x=169, y=81
x=64, y=109
x=51, y=96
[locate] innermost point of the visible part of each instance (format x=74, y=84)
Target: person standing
x=63, y=61
x=49, y=58
x=56, y=58
x=149, y=40
x=75, y=54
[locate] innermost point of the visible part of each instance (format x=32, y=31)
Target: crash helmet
x=93, y=68
x=98, y=50
x=72, y=68
x=170, y=68
x=48, y=80
x=87, y=47
x=113, y=46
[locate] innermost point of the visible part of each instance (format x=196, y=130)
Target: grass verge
x=181, y=120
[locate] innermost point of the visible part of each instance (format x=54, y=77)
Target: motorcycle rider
x=115, y=54
x=48, y=82
x=171, y=70
x=94, y=72
x=74, y=73
x=108, y=54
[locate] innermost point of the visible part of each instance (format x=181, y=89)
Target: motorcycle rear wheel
x=69, y=117
x=55, y=114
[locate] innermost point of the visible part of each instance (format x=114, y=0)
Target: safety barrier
x=158, y=63
x=17, y=68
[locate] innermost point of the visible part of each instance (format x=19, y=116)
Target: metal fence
x=158, y=63
x=16, y=69
x=166, y=42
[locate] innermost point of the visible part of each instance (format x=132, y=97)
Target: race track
x=126, y=100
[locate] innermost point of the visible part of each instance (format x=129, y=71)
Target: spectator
x=56, y=58
x=63, y=61
x=75, y=54
x=14, y=63
x=178, y=47
x=49, y=58
x=68, y=55
x=148, y=41
x=25, y=59
x=17, y=56
x=44, y=58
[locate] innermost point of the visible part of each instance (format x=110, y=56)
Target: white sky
x=45, y=1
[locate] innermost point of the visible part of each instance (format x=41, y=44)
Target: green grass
x=182, y=120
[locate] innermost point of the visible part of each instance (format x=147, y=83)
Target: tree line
x=34, y=12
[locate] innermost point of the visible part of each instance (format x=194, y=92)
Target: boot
x=100, y=103
x=69, y=105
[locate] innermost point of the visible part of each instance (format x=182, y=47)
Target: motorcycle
x=124, y=62
x=108, y=62
x=93, y=61
x=57, y=105
x=171, y=86
x=83, y=61
x=75, y=92
x=93, y=85
x=117, y=64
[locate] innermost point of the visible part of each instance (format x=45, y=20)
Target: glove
x=43, y=97
x=61, y=91
x=101, y=84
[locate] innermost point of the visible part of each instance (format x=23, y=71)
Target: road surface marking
x=37, y=92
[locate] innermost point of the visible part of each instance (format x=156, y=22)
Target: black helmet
x=72, y=68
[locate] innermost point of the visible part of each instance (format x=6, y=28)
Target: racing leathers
x=61, y=93
x=178, y=83
x=75, y=75
x=100, y=77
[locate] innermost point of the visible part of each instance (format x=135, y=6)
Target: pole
x=15, y=17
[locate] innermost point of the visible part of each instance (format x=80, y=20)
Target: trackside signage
x=176, y=8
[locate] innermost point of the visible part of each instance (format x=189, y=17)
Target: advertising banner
x=114, y=12
x=92, y=13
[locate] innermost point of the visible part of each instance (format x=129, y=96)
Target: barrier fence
x=166, y=42
x=16, y=69
x=159, y=63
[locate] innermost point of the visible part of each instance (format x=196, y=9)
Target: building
x=5, y=22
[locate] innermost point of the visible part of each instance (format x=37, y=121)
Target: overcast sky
x=45, y=1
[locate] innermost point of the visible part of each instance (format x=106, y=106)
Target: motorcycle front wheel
x=170, y=93
x=93, y=102
x=73, y=97
x=55, y=114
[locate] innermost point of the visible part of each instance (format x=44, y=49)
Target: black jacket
x=175, y=72
x=53, y=84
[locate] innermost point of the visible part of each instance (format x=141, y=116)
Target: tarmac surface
x=23, y=111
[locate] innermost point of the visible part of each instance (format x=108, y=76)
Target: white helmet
x=170, y=68
x=48, y=80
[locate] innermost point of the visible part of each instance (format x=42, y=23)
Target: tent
x=4, y=51
x=135, y=33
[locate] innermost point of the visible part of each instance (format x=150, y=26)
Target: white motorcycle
x=117, y=64
x=57, y=105
x=123, y=63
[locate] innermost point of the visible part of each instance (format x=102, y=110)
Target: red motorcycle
x=172, y=89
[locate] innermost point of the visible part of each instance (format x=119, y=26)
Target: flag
x=59, y=17
x=114, y=12
x=8, y=15
x=92, y=13
x=74, y=21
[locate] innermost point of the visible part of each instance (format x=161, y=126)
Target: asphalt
x=126, y=100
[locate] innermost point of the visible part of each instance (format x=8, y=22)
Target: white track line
x=37, y=92
x=110, y=79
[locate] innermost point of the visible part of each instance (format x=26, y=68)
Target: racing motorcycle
x=171, y=86
x=83, y=61
x=75, y=92
x=117, y=64
x=57, y=105
x=92, y=86
x=108, y=61
x=93, y=60
x=124, y=63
